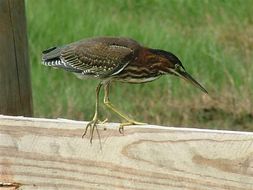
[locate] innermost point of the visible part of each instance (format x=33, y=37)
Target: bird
x=111, y=59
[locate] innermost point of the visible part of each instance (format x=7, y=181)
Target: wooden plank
x=15, y=85
x=50, y=154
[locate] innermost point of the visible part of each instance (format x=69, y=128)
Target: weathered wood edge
x=112, y=125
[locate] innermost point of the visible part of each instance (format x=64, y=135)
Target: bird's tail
x=51, y=56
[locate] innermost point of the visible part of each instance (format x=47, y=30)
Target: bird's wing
x=99, y=57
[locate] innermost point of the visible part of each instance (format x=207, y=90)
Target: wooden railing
x=50, y=154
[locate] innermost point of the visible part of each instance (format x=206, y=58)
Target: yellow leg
x=93, y=123
x=114, y=109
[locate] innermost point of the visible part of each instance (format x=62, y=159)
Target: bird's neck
x=153, y=61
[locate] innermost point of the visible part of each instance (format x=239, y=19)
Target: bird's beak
x=184, y=75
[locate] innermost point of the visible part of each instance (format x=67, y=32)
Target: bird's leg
x=113, y=108
x=93, y=123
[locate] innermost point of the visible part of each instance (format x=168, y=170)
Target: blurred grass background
x=213, y=39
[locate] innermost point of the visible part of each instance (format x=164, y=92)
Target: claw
x=121, y=129
x=130, y=122
x=92, y=125
x=104, y=121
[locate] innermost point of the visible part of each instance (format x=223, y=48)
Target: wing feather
x=99, y=56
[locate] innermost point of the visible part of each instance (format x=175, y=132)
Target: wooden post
x=15, y=85
x=50, y=154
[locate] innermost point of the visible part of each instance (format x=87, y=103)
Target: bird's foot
x=104, y=121
x=92, y=125
x=129, y=122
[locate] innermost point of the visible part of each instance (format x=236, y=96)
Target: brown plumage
x=115, y=59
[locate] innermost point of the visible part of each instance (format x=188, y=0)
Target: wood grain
x=15, y=85
x=50, y=154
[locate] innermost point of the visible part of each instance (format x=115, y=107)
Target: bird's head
x=168, y=63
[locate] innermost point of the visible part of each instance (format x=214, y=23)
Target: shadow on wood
x=50, y=154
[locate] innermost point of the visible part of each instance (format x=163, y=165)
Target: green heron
x=114, y=59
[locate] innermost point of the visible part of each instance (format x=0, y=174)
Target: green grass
x=213, y=39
